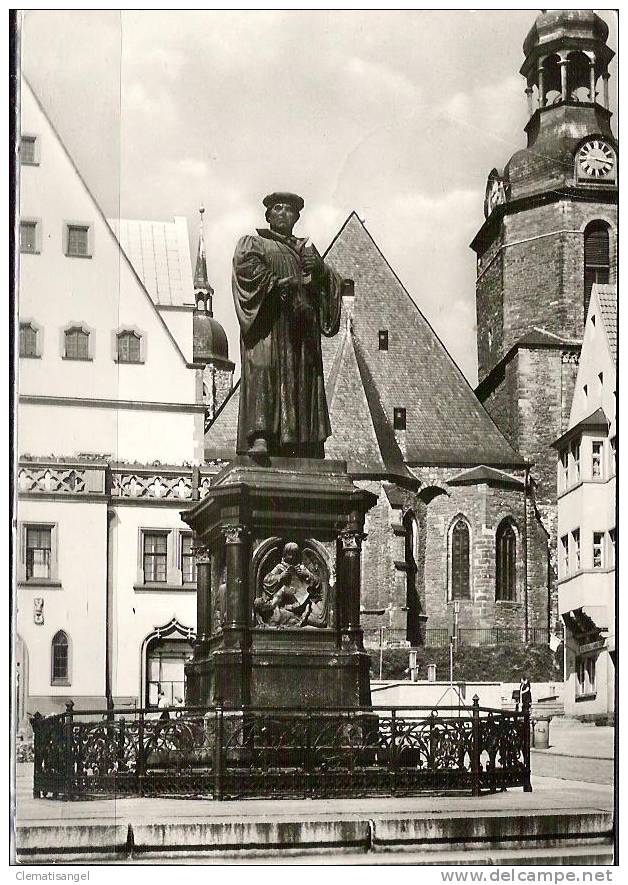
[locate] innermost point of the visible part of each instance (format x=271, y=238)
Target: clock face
x=596, y=159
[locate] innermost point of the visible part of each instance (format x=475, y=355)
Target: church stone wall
x=384, y=580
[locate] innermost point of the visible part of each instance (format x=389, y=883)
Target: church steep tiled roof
x=160, y=254
x=607, y=297
x=445, y=423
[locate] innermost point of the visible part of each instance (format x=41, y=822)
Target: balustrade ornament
x=156, y=486
x=51, y=479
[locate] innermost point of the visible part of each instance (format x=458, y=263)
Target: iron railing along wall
x=220, y=753
x=439, y=637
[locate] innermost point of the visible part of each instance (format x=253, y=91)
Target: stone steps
x=581, y=836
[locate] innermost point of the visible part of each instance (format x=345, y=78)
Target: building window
x=155, y=554
x=76, y=344
x=585, y=675
x=165, y=672
x=77, y=241
x=613, y=455
x=28, y=237
x=575, y=550
x=575, y=461
x=129, y=350
x=38, y=553
x=563, y=565
x=188, y=561
x=597, y=455
x=28, y=340
x=506, y=563
x=563, y=470
x=29, y=150
x=399, y=419
x=596, y=258
x=60, y=659
x=383, y=339
x=460, y=584
x=598, y=549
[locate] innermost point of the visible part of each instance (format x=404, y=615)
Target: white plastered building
x=110, y=425
x=587, y=517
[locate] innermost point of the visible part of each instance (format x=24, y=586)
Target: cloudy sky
x=398, y=115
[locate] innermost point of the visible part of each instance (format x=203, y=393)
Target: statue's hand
x=312, y=262
x=286, y=286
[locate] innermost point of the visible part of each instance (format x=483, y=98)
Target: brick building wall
x=532, y=273
x=484, y=507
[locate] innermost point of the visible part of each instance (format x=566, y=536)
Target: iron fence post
x=527, y=786
x=218, y=750
x=140, y=765
x=68, y=768
x=36, y=720
x=392, y=757
x=475, y=749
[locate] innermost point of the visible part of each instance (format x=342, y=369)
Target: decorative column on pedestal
x=563, y=76
x=237, y=561
x=203, y=594
x=351, y=542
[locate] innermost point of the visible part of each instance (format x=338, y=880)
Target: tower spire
x=202, y=285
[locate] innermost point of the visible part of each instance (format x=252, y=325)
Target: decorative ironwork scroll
x=250, y=752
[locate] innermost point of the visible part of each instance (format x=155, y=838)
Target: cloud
x=375, y=78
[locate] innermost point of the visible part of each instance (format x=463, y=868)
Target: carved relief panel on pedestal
x=291, y=586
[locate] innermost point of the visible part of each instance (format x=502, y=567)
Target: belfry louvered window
x=506, y=563
x=596, y=258
x=460, y=584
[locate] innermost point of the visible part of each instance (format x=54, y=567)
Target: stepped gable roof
x=607, y=298
x=595, y=421
x=485, y=474
x=160, y=254
x=445, y=422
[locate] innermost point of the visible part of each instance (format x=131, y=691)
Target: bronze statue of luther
x=285, y=298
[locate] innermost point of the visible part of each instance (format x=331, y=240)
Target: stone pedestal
x=270, y=635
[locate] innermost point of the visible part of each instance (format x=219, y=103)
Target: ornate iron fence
x=221, y=753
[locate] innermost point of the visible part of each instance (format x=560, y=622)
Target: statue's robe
x=282, y=391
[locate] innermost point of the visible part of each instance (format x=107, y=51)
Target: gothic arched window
x=597, y=261
x=506, y=562
x=60, y=659
x=460, y=571
x=412, y=591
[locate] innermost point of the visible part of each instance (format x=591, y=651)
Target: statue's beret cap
x=280, y=197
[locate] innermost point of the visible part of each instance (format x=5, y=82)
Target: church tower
x=210, y=341
x=550, y=232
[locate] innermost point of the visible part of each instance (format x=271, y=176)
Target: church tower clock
x=550, y=232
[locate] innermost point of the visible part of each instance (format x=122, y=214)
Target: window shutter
x=596, y=246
